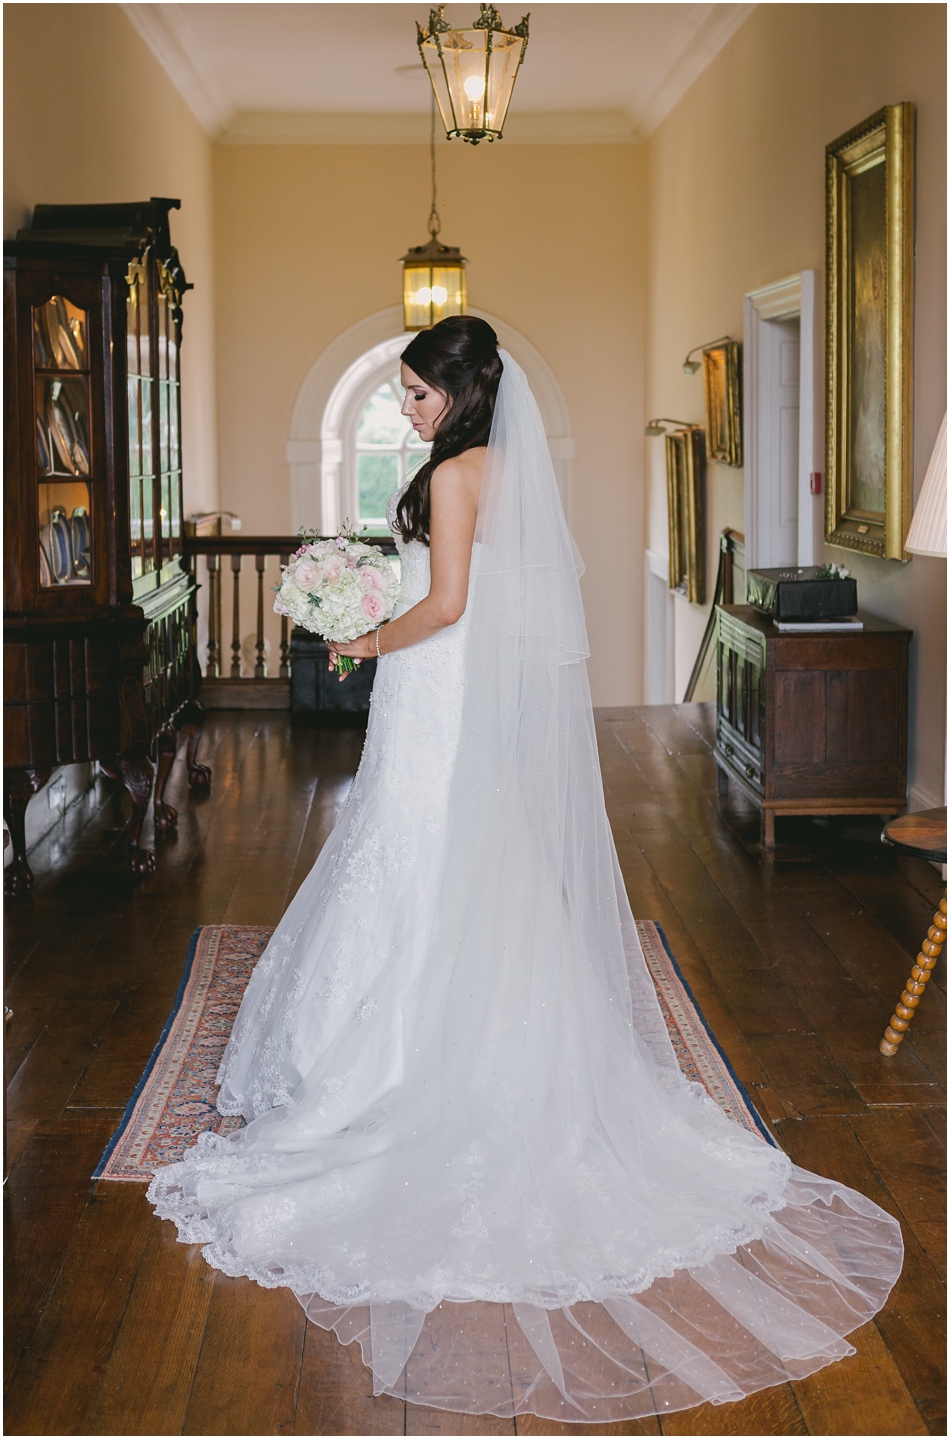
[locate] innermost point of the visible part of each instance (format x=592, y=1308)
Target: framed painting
x=870, y=304
x=723, y=389
x=685, y=496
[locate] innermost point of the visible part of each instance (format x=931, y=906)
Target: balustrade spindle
x=284, y=633
x=236, y=619
x=260, y=561
x=213, y=666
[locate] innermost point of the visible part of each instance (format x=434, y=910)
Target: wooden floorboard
x=115, y=1328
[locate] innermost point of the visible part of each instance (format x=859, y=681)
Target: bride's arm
x=453, y=502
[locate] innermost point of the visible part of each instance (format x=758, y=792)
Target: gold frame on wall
x=870, y=316
x=722, y=389
x=685, y=500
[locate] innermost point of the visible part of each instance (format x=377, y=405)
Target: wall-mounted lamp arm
x=655, y=427
x=690, y=366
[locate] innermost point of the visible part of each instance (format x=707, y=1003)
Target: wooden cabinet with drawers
x=811, y=723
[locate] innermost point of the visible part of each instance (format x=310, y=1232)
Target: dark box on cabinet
x=315, y=691
x=801, y=594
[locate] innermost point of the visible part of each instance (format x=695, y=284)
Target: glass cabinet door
x=64, y=460
x=169, y=401
x=141, y=384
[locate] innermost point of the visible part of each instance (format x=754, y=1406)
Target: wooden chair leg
x=914, y=989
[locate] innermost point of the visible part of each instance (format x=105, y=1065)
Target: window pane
x=378, y=477
x=381, y=423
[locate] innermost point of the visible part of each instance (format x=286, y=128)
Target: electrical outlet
x=56, y=793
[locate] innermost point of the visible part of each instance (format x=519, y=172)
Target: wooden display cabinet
x=811, y=723
x=99, y=603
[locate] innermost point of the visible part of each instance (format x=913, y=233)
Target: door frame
x=795, y=297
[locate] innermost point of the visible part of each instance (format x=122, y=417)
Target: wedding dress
x=469, y=1144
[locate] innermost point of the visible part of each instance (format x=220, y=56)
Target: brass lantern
x=433, y=283
x=433, y=275
x=473, y=72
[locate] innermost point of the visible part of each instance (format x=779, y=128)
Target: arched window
x=387, y=451
x=333, y=457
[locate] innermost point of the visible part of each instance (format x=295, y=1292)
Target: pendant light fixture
x=473, y=71
x=433, y=275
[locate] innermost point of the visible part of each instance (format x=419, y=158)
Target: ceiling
x=341, y=73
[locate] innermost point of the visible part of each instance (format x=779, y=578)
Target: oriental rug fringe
x=174, y=1101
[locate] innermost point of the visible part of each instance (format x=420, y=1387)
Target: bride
x=469, y=1144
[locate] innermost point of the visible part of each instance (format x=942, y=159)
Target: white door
x=782, y=424
x=779, y=401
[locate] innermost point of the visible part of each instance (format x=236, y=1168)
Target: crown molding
x=716, y=29
x=271, y=127
x=168, y=33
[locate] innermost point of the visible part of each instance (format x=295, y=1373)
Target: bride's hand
x=363, y=648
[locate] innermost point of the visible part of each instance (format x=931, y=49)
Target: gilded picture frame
x=870, y=334
x=722, y=386
x=685, y=495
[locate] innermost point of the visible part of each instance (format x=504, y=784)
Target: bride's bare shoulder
x=461, y=471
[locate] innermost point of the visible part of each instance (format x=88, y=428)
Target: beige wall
x=90, y=116
x=307, y=242
x=736, y=201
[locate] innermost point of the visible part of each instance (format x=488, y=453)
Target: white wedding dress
x=469, y=1145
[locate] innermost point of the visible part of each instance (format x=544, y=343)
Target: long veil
x=542, y=1215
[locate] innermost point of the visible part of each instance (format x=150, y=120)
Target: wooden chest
x=812, y=723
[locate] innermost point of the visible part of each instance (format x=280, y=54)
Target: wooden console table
x=811, y=723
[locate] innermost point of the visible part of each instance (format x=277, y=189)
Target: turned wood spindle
x=259, y=671
x=284, y=642
x=930, y=952
x=236, y=619
x=213, y=666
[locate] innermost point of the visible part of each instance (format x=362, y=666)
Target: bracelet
x=378, y=654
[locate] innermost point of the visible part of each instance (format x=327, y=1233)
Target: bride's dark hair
x=458, y=356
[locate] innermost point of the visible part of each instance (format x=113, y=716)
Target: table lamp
x=928, y=529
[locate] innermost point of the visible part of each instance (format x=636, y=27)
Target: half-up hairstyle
x=458, y=356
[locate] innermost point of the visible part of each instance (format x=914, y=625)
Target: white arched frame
x=341, y=380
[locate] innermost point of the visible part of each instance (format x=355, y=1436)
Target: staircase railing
x=232, y=677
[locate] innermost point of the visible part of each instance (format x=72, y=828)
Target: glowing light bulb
x=439, y=294
x=163, y=514
x=423, y=296
x=474, y=87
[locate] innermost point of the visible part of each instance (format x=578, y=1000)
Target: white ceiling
x=340, y=73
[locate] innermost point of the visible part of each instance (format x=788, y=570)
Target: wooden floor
x=114, y=1328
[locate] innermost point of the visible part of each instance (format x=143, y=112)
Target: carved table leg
x=199, y=775
x=915, y=986
x=136, y=774
x=19, y=787
x=165, y=816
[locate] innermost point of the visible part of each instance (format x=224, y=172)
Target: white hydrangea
x=338, y=588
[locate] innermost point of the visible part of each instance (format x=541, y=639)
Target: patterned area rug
x=174, y=1100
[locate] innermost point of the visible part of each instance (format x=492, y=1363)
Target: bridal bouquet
x=338, y=589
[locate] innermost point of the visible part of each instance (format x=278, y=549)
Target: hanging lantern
x=473, y=72
x=433, y=275
x=433, y=284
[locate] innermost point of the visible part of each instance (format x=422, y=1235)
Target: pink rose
x=374, y=607
x=371, y=578
x=280, y=607
x=332, y=566
x=307, y=576
x=352, y=562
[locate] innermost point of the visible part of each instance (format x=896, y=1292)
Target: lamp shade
x=433, y=284
x=473, y=71
x=928, y=529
